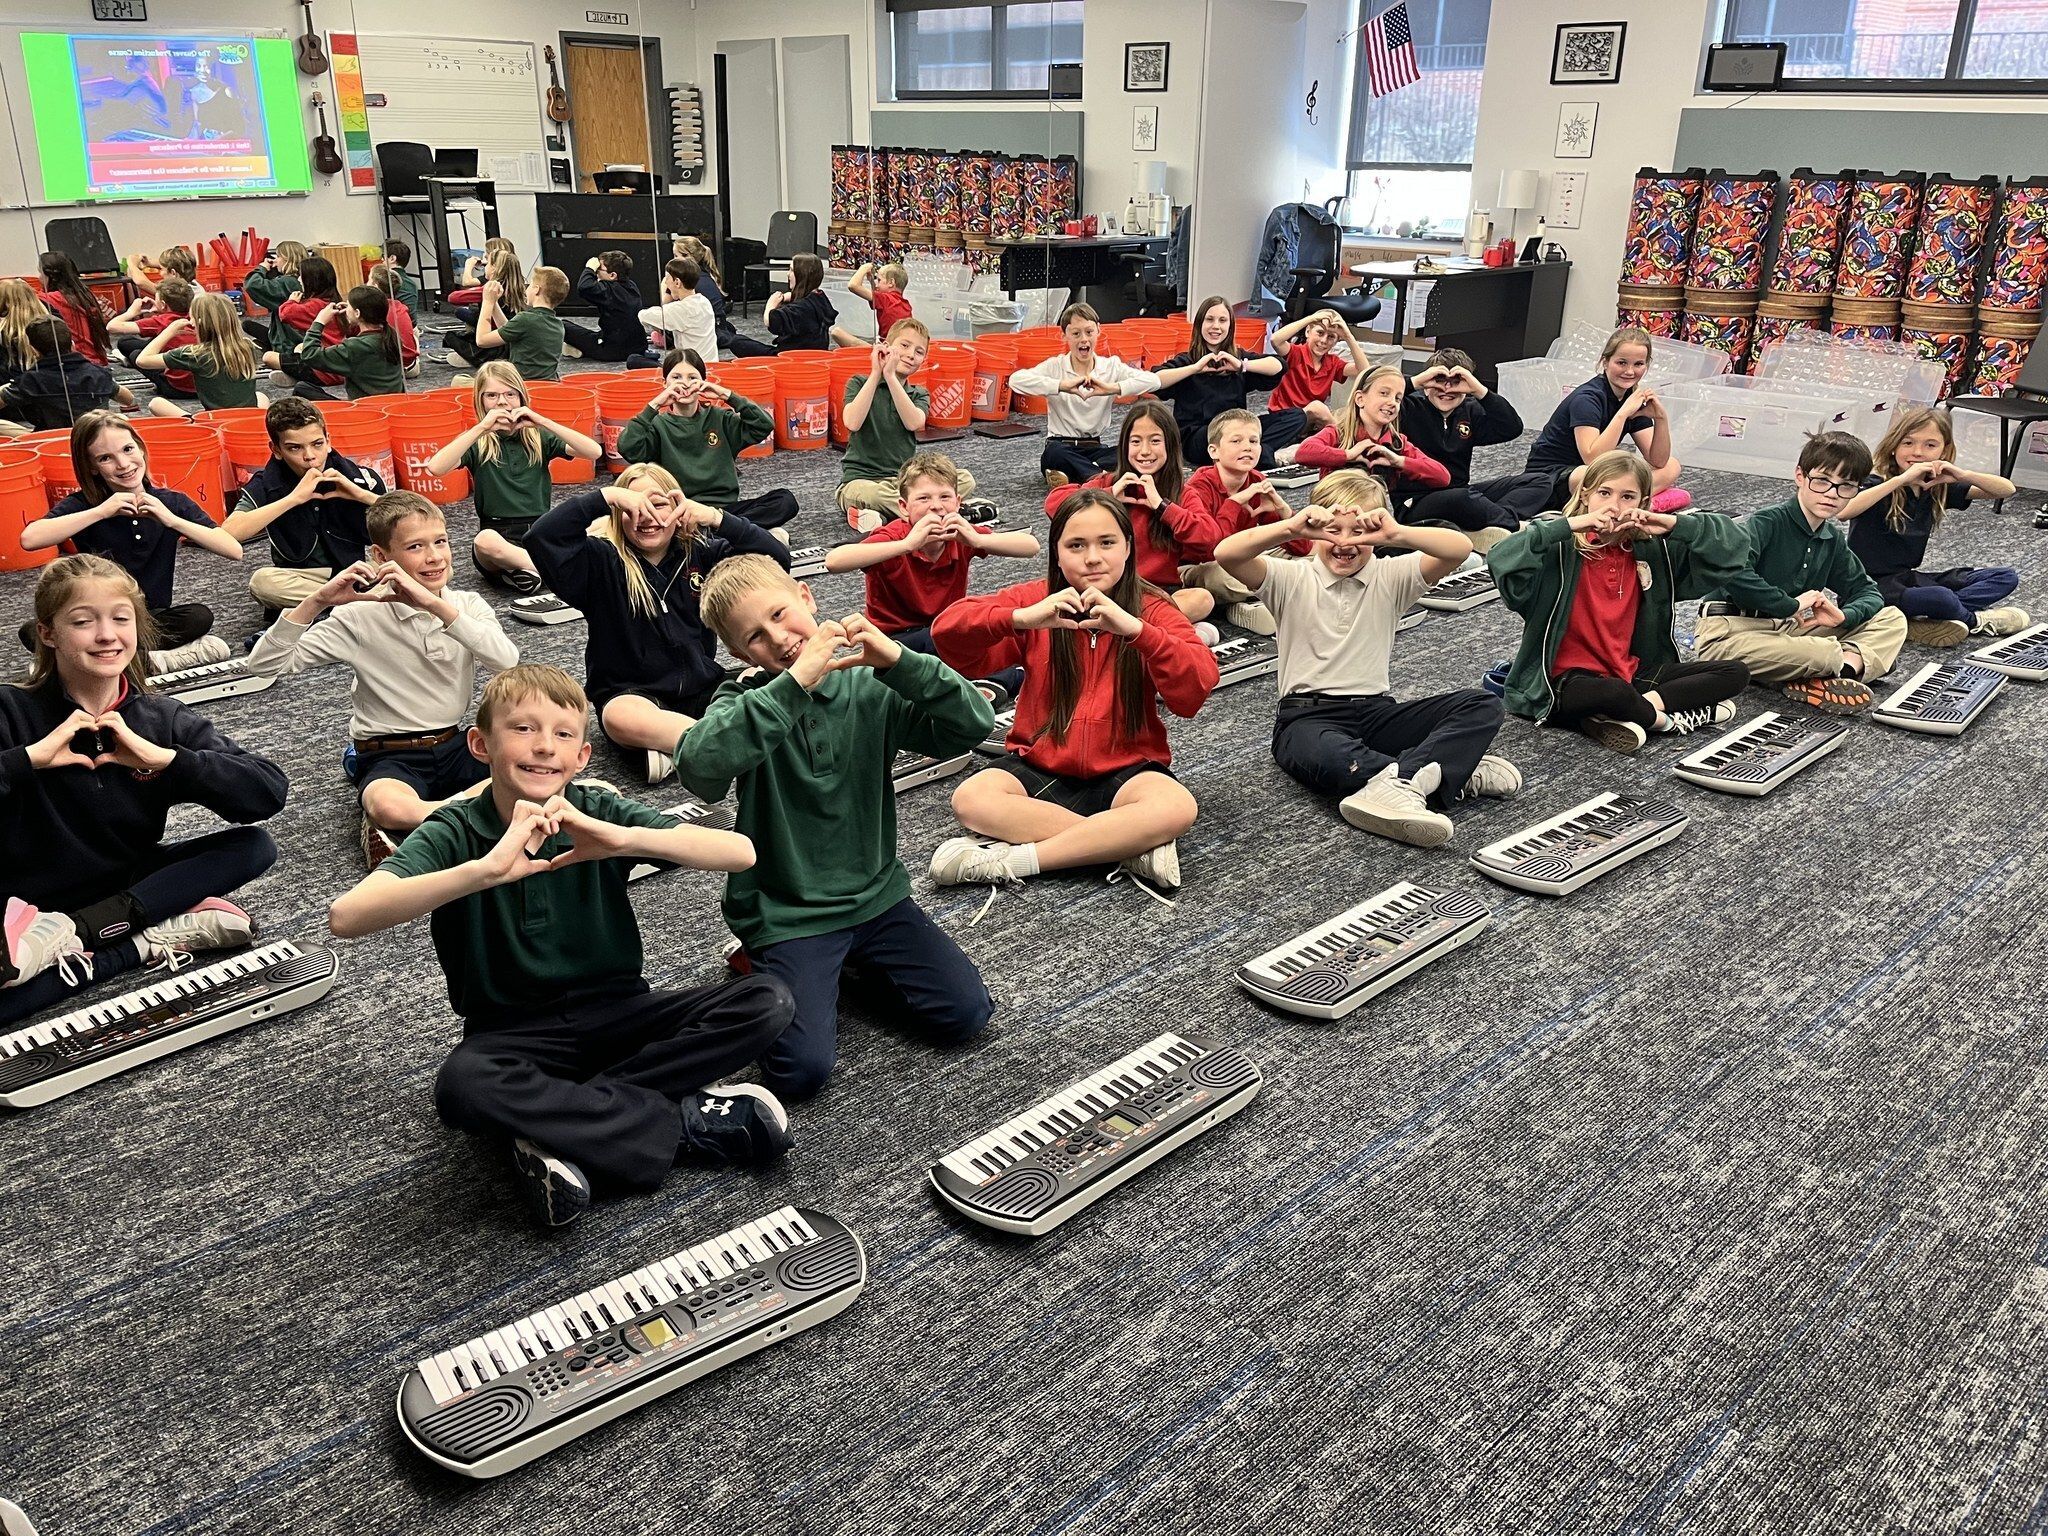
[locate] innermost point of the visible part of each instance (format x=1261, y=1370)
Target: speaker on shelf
x=1745, y=66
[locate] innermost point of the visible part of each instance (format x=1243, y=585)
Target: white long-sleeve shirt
x=1076, y=415
x=688, y=322
x=412, y=674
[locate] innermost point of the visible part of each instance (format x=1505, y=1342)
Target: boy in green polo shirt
x=596, y=1080
x=1806, y=616
x=884, y=412
x=531, y=340
x=811, y=735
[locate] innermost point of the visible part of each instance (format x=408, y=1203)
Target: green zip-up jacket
x=815, y=792
x=271, y=290
x=698, y=449
x=1788, y=556
x=1537, y=572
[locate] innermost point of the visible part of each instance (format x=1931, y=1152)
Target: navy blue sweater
x=618, y=309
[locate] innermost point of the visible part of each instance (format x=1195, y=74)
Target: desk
x=1072, y=262
x=1497, y=314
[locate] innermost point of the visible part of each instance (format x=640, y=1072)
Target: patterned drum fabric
x=1999, y=360
x=1730, y=333
x=1811, y=236
x=1658, y=322
x=1728, y=236
x=2018, y=266
x=1658, y=247
x=1877, y=241
x=1006, y=218
x=1955, y=223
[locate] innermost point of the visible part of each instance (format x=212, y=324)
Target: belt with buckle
x=405, y=743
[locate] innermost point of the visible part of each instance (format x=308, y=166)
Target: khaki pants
x=1217, y=582
x=882, y=495
x=285, y=587
x=1774, y=654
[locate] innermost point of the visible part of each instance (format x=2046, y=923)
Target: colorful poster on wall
x=355, y=112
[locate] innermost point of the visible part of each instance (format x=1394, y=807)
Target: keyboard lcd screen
x=1121, y=1124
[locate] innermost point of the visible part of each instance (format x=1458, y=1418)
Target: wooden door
x=608, y=97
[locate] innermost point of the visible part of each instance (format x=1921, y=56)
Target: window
x=1901, y=45
x=1410, y=152
x=981, y=50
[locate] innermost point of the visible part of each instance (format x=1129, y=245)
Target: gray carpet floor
x=1707, y=1199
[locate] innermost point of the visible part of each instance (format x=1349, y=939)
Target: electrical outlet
x=1567, y=198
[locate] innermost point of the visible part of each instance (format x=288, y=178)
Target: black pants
x=919, y=974
x=1077, y=461
x=1682, y=686
x=463, y=344
x=165, y=881
x=1507, y=502
x=743, y=346
x=771, y=509
x=258, y=331
x=601, y=1083
x=596, y=349
x=1335, y=743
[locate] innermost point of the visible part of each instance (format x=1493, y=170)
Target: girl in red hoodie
x=1364, y=437
x=1150, y=479
x=1086, y=780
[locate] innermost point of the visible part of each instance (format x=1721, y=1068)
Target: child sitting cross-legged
x=1395, y=766
x=309, y=500
x=413, y=648
x=884, y=412
x=209, y=348
x=1087, y=779
x=594, y=1081
x=917, y=565
x=696, y=430
x=809, y=736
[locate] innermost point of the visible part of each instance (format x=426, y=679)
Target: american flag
x=1390, y=51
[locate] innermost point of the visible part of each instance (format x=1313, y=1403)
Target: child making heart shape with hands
x=1211, y=376
x=1611, y=409
x=91, y=763
x=1367, y=437
x=1086, y=780
x=696, y=429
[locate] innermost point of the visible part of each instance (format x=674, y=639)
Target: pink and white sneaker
x=213, y=924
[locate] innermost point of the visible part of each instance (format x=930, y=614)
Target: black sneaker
x=553, y=1187
x=735, y=1123
x=525, y=583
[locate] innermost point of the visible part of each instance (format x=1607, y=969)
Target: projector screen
x=131, y=117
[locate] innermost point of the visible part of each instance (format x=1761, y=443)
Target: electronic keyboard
x=691, y=812
x=58, y=1056
x=807, y=562
x=1359, y=953
x=507, y=1396
x=1578, y=846
x=1244, y=657
x=544, y=608
x=1411, y=618
x=1460, y=591
x=211, y=680
x=1760, y=754
x=914, y=768
x=2023, y=655
x=1032, y=1172
x=1944, y=698
x=994, y=744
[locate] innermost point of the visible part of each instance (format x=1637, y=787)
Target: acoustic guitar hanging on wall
x=311, y=56
x=326, y=155
x=558, y=99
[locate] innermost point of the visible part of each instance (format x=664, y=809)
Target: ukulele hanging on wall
x=326, y=155
x=311, y=56
x=558, y=99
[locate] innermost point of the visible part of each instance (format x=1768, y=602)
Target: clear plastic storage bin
x=1752, y=426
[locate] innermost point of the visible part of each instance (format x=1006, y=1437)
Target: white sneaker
x=1614, y=735
x=1494, y=777
x=660, y=765
x=1684, y=722
x=37, y=940
x=1156, y=866
x=1208, y=633
x=213, y=924
x=1256, y=617
x=1293, y=476
x=966, y=861
x=1399, y=808
x=1286, y=455
x=195, y=654
x=1998, y=622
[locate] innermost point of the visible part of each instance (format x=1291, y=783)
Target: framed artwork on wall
x=1576, y=121
x=1588, y=53
x=1145, y=66
x=1145, y=130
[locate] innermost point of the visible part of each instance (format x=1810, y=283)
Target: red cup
x=1073, y=226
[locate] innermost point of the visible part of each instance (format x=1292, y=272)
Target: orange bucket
x=185, y=456
x=843, y=366
x=619, y=399
x=1034, y=346
x=587, y=381
x=54, y=449
x=21, y=502
x=1249, y=332
x=245, y=442
x=754, y=379
x=953, y=364
x=1162, y=339
x=572, y=407
x=362, y=433
x=803, y=402
x=420, y=426
x=995, y=358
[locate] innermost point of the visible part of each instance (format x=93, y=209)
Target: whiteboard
x=461, y=93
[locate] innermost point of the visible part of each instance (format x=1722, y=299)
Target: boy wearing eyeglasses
x=1805, y=616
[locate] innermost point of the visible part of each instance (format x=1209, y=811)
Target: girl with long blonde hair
x=19, y=309
x=1366, y=436
x=650, y=662
x=208, y=344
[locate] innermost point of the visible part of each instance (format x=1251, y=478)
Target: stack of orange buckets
x=753, y=379
x=1034, y=346
x=803, y=393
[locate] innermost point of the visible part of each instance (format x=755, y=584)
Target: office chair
x=789, y=234
x=1302, y=261
x=2027, y=404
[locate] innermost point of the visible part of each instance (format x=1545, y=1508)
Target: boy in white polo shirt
x=1340, y=730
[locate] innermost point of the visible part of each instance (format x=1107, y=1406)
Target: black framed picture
x=1145, y=66
x=1588, y=53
